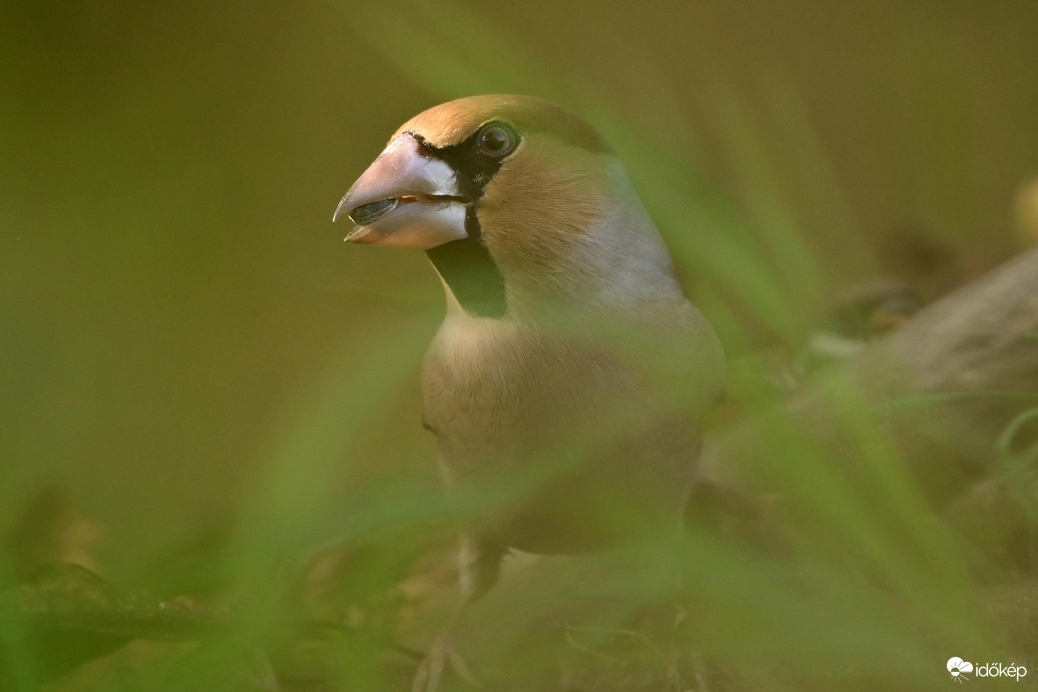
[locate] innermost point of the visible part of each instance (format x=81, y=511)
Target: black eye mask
x=466, y=265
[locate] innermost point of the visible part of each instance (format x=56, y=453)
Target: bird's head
x=518, y=203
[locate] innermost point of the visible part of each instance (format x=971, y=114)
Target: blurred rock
x=52, y=529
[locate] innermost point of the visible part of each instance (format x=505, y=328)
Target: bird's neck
x=471, y=277
x=618, y=265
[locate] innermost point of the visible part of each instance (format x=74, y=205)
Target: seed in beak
x=373, y=211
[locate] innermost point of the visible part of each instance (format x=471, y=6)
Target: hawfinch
x=569, y=363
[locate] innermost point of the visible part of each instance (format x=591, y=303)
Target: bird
x=569, y=361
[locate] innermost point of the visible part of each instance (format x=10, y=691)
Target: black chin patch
x=473, y=277
x=466, y=265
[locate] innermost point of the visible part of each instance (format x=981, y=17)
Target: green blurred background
x=174, y=297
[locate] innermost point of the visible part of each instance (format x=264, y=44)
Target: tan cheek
x=538, y=206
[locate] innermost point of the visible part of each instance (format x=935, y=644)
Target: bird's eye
x=496, y=140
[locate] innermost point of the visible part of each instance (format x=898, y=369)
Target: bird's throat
x=468, y=269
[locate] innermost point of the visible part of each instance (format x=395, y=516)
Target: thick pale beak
x=405, y=198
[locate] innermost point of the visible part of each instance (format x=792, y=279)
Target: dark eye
x=496, y=140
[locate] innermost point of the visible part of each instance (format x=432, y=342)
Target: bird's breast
x=495, y=392
x=498, y=393
x=592, y=414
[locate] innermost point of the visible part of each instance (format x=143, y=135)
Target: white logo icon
x=957, y=668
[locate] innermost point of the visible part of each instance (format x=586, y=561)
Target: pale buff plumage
x=596, y=371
